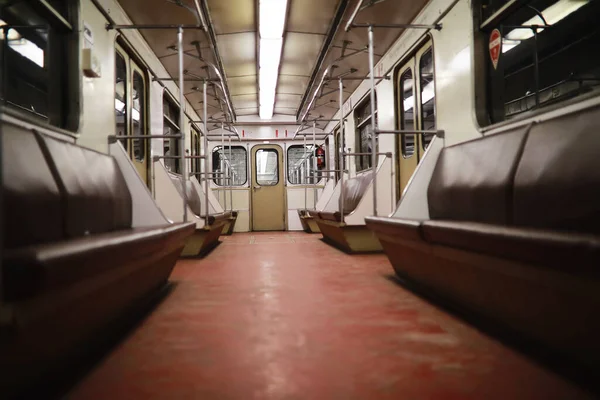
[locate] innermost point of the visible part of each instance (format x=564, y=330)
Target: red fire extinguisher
x=320, y=154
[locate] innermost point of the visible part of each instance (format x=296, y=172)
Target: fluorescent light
x=272, y=18
x=272, y=15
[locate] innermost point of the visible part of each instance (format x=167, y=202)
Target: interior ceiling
x=307, y=25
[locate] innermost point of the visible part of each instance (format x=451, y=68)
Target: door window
x=407, y=113
x=267, y=167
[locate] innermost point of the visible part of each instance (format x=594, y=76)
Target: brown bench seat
x=514, y=232
x=31, y=270
x=350, y=238
x=72, y=263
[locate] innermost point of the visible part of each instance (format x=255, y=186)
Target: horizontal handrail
x=115, y=138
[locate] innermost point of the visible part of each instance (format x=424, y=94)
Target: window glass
x=238, y=162
x=138, y=115
x=120, y=98
x=407, y=105
x=540, y=66
x=267, y=167
x=427, y=84
x=364, y=132
x=34, y=58
x=300, y=165
x=171, y=127
x=195, y=150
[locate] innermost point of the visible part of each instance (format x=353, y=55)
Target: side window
x=195, y=162
x=301, y=165
x=235, y=158
x=37, y=46
x=138, y=115
x=427, y=89
x=540, y=53
x=267, y=167
x=121, y=98
x=171, y=127
x=364, y=134
x=407, y=110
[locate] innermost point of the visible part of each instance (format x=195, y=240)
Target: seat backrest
x=96, y=196
x=557, y=182
x=472, y=181
x=193, y=199
x=32, y=207
x=354, y=190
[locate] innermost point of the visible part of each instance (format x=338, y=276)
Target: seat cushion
x=570, y=253
x=32, y=270
x=330, y=216
x=97, y=199
x=472, y=181
x=407, y=229
x=32, y=208
x=557, y=183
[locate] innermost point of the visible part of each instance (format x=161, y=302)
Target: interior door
x=408, y=156
x=268, y=190
x=415, y=86
x=131, y=117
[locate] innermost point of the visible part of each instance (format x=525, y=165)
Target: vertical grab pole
x=343, y=149
x=230, y=175
x=181, y=124
x=314, y=157
x=373, y=124
x=206, y=185
x=223, y=176
x=305, y=176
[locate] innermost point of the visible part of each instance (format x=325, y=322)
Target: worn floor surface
x=286, y=316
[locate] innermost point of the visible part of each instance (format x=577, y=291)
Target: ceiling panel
x=247, y=111
x=238, y=52
x=300, y=52
x=246, y=100
x=287, y=100
x=242, y=85
x=311, y=15
x=232, y=16
x=292, y=84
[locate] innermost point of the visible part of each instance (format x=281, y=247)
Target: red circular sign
x=495, y=46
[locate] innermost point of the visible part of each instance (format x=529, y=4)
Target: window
x=547, y=54
x=196, y=151
x=301, y=165
x=267, y=167
x=337, y=145
x=235, y=158
x=407, y=117
x=171, y=147
x=40, y=60
x=121, y=98
x=364, y=134
x=427, y=88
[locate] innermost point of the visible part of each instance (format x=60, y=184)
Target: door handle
x=256, y=187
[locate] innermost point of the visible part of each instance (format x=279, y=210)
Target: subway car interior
x=300, y=199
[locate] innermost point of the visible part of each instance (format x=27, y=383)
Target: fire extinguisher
x=320, y=154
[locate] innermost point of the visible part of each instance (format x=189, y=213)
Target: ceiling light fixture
x=271, y=22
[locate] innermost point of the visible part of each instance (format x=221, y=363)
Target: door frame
x=283, y=178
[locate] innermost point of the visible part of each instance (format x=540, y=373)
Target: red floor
x=285, y=316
